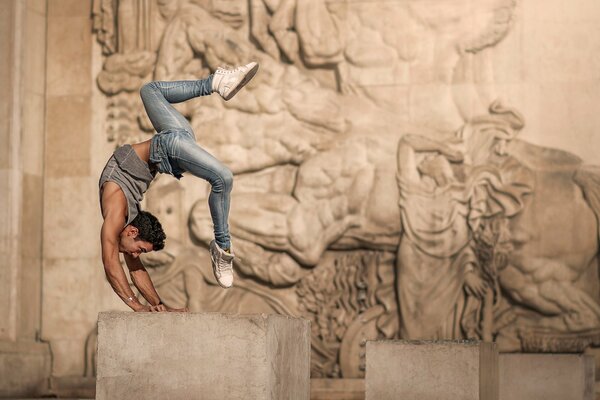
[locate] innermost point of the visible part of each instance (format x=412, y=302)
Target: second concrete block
x=431, y=370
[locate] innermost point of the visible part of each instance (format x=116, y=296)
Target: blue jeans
x=174, y=150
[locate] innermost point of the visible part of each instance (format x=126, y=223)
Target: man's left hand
x=163, y=308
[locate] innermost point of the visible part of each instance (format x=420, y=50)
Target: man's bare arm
x=141, y=279
x=109, y=236
x=114, y=212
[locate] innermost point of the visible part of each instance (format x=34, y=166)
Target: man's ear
x=132, y=231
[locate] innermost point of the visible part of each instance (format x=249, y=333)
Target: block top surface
x=107, y=316
x=426, y=342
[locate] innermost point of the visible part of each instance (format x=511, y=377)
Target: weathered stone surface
x=68, y=39
x=546, y=377
x=182, y=355
x=337, y=389
x=376, y=64
x=24, y=368
x=431, y=370
x=71, y=215
x=69, y=8
x=67, y=136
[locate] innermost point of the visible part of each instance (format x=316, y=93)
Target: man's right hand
x=160, y=308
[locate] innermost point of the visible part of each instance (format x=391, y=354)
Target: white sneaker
x=222, y=263
x=227, y=82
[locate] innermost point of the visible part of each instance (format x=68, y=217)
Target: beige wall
x=70, y=244
x=24, y=362
x=53, y=145
x=548, y=67
x=9, y=250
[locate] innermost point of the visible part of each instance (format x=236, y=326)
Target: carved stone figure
x=475, y=210
x=382, y=50
x=443, y=201
x=506, y=223
x=549, y=271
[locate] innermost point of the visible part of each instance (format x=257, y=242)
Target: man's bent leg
x=158, y=96
x=192, y=158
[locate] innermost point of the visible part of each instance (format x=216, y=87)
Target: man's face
x=130, y=244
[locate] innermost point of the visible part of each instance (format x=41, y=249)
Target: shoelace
x=223, y=265
x=228, y=69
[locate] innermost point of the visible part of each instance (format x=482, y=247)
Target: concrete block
x=202, y=356
x=546, y=377
x=431, y=370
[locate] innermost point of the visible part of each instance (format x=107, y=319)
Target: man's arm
x=114, y=212
x=141, y=280
x=109, y=236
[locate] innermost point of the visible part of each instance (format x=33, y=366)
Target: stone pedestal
x=546, y=377
x=431, y=370
x=202, y=356
x=337, y=389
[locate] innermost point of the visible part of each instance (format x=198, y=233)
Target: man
x=128, y=173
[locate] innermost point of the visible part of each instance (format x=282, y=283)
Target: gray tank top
x=132, y=175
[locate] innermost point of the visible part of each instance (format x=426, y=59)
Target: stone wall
x=74, y=287
x=24, y=362
x=321, y=212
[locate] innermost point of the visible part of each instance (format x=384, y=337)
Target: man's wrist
x=133, y=302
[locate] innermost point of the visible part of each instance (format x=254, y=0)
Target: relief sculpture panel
x=381, y=190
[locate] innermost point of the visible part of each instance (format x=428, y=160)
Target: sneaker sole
x=249, y=75
x=212, y=260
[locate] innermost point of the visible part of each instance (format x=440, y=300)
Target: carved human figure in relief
x=379, y=49
x=521, y=196
x=290, y=115
x=342, y=199
x=435, y=257
x=446, y=187
x=549, y=271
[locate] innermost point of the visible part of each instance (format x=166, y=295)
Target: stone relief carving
x=350, y=172
x=481, y=212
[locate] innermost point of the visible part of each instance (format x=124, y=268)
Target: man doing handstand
x=173, y=150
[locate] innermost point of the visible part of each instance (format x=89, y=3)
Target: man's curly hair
x=150, y=230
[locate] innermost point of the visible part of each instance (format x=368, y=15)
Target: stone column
x=24, y=361
x=71, y=257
